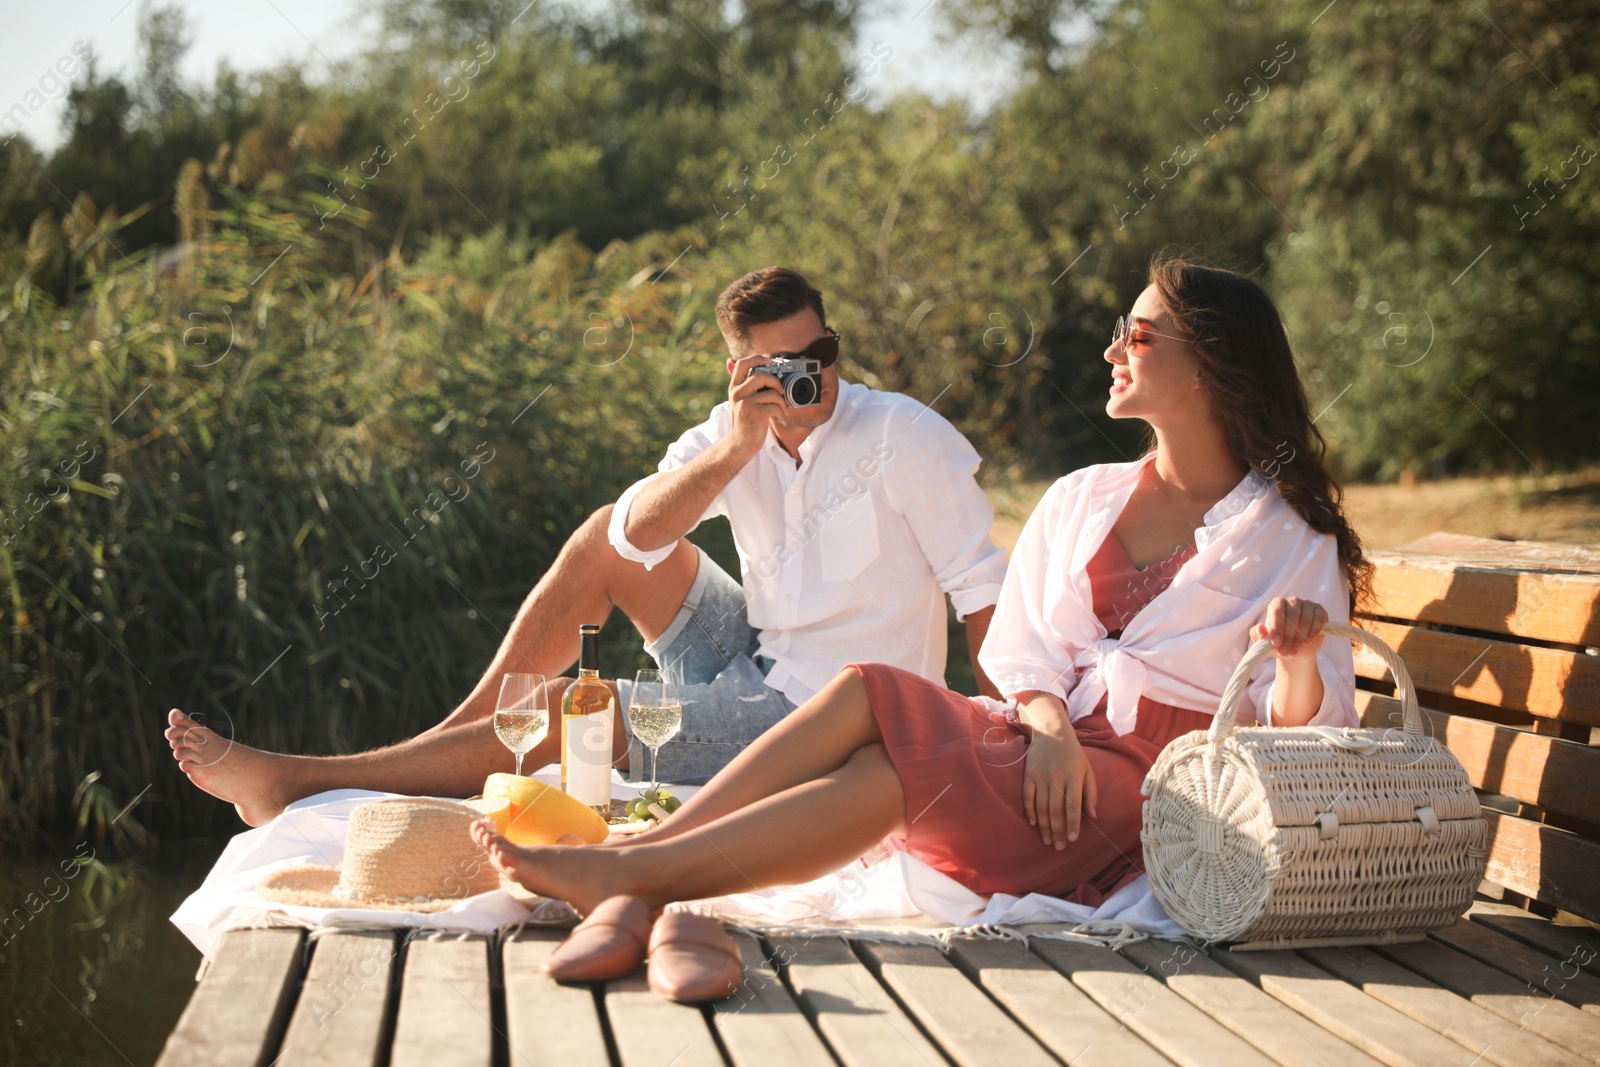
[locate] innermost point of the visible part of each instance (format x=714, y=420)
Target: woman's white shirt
x=1185, y=643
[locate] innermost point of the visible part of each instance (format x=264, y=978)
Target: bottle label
x=587, y=739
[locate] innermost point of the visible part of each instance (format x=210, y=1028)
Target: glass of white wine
x=655, y=713
x=521, y=715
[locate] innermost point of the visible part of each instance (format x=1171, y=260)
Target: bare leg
x=813, y=740
x=586, y=581
x=448, y=763
x=801, y=833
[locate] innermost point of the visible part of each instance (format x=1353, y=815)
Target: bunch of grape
x=639, y=809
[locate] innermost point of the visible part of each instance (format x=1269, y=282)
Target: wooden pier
x=1501, y=640
x=1501, y=987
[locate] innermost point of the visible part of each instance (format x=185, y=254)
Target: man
x=853, y=517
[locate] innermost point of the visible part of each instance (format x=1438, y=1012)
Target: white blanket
x=886, y=887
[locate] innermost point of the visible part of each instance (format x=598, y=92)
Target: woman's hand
x=1057, y=780
x=1294, y=627
x=1057, y=785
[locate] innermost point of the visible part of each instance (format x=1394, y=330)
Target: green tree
x=1433, y=292
x=1125, y=139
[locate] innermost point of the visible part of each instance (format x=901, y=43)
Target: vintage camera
x=800, y=379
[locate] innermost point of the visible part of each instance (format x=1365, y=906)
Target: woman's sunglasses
x=825, y=350
x=1125, y=332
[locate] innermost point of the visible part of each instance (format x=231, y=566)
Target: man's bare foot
x=251, y=780
x=581, y=875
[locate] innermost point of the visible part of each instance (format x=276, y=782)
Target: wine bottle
x=588, y=713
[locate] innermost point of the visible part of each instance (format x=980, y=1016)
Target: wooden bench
x=1496, y=636
x=1501, y=640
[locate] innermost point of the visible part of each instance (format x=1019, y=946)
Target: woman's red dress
x=962, y=766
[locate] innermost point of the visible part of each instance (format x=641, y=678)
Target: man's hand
x=756, y=400
x=672, y=503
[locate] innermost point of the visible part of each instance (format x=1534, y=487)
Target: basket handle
x=1227, y=713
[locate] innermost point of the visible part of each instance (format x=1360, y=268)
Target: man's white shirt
x=847, y=557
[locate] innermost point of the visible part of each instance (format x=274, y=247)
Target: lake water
x=91, y=971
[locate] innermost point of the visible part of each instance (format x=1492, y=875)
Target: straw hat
x=406, y=854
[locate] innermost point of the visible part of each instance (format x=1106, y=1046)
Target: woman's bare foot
x=253, y=781
x=581, y=875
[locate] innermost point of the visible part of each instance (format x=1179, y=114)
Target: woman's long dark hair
x=1247, y=369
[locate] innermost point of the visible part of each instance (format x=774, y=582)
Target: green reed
x=299, y=500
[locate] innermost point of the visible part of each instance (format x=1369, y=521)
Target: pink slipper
x=609, y=944
x=692, y=958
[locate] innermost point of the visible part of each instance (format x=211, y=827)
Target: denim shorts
x=709, y=652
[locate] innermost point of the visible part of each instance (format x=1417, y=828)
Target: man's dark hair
x=765, y=295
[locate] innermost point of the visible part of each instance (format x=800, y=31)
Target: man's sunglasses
x=825, y=350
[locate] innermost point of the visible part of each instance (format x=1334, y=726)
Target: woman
x=1131, y=596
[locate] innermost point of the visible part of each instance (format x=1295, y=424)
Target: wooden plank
x=1554, y=774
x=1286, y=1036
x=761, y=1024
x=1551, y=683
x=344, y=1004
x=860, y=1020
x=652, y=1031
x=1475, y=1028
x=1366, y=1022
x=1544, y=862
x=444, y=1014
x=1513, y=1000
x=1524, y=962
x=1520, y=555
x=1572, y=946
x=1579, y=732
x=1058, y=1013
x=547, y=1022
x=1541, y=605
x=1178, y=1029
x=238, y=1010
x=960, y=1017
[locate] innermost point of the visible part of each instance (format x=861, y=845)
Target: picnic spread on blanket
x=890, y=891
x=1241, y=851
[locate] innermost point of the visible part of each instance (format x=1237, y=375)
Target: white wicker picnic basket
x=1288, y=837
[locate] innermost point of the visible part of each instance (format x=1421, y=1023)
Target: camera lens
x=802, y=391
